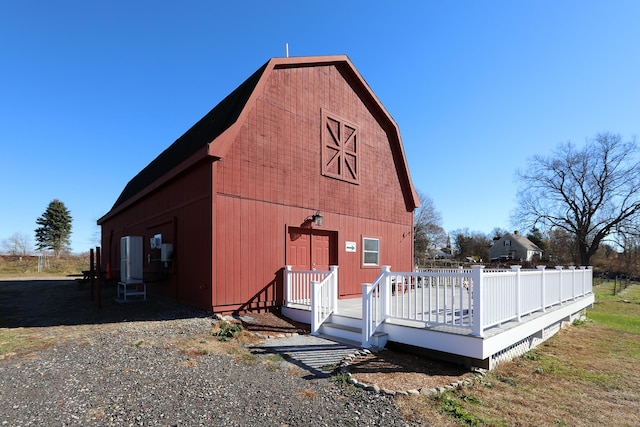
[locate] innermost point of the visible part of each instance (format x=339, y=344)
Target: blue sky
x=91, y=92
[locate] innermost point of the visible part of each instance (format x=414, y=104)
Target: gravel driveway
x=123, y=365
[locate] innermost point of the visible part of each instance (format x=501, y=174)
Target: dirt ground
x=61, y=309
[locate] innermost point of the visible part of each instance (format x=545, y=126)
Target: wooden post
x=91, y=271
x=99, y=276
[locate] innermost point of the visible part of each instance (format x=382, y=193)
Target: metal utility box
x=166, y=252
x=131, y=285
x=131, y=259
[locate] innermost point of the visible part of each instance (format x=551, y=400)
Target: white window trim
x=365, y=251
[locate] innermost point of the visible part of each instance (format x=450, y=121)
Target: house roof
x=521, y=240
x=212, y=135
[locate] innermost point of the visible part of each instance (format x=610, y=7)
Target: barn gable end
x=300, y=136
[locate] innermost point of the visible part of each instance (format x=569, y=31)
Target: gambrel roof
x=212, y=135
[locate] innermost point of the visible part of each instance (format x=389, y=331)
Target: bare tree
x=17, y=244
x=629, y=241
x=588, y=192
x=561, y=247
x=471, y=244
x=427, y=228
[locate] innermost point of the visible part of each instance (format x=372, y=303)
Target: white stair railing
x=376, y=299
x=324, y=299
x=297, y=285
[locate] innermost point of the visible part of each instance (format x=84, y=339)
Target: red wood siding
x=229, y=219
x=271, y=179
x=181, y=212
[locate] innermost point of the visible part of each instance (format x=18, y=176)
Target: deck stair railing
x=298, y=285
x=324, y=299
x=314, y=289
x=375, y=304
x=471, y=300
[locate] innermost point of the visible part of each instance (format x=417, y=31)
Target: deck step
x=351, y=334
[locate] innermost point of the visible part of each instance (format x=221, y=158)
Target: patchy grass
x=617, y=312
x=307, y=394
x=226, y=331
x=28, y=265
x=585, y=375
x=21, y=340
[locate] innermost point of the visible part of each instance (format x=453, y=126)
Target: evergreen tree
x=54, y=228
x=537, y=238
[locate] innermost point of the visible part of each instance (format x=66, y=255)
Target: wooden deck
x=481, y=317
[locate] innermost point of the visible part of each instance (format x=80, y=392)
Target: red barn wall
x=181, y=212
x=271, y=179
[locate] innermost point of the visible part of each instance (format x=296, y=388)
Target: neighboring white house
x=514, y=246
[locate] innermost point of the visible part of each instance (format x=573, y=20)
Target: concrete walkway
x=318, y=356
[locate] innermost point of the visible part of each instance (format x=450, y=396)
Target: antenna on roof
x=286, y=49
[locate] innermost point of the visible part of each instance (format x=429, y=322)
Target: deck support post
x=476, y=276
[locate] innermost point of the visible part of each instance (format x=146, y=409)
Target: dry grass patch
x=400, y=371
x=307, y=394
x=585, y=375
x=235, y=345
x=19, y=341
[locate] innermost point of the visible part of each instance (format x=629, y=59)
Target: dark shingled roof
x=223, y=117
x=202, y=133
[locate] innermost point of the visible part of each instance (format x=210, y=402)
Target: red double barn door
x=310, y=249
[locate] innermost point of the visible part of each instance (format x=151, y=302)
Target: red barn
x=300, y=165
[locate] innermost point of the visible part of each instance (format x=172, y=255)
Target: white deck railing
x=297, y=284
x=317, y=289
x=473, y=299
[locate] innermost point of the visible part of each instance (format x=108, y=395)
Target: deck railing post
x=583, y=278
x=385, y=293
x=476, y=276
x=333, y=271
x=287, y=285
x=543, y=284
x=366, y=314
x=573, y=282
x=516, y=269
x=316, y=299
x=559, y=267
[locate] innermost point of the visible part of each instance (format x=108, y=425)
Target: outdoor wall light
x=317, y=219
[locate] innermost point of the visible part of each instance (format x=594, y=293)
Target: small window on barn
x=340, y=146
x=371, y=251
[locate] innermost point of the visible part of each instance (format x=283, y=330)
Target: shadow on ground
x=41, y=303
